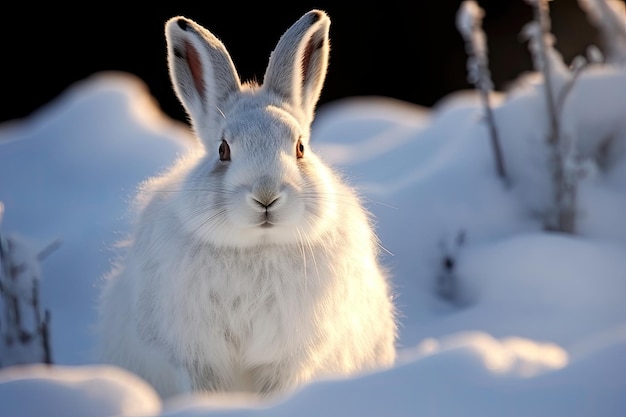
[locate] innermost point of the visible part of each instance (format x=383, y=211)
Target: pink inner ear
x=195, y=67
x=306, y=59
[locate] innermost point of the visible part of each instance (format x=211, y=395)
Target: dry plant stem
x=469, y=20
x=45, y=338
x=567, y=192
x=13, y=328
x=42, y=325
x=495, y=139
x=541, y=16
x=564, y=192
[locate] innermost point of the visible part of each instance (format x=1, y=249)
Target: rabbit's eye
x=224, y=151
x=299, y=149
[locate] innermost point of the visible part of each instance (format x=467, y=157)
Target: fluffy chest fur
x=245, y=305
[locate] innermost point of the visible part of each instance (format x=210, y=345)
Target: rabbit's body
x=255, y=271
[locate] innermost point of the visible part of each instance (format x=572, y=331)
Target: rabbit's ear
x=202, y=73
x=297, y=67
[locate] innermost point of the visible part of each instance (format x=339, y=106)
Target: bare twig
x=563, y=218
x=24, y=334
x=469, y=20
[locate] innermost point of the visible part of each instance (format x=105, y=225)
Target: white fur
x=207, y=298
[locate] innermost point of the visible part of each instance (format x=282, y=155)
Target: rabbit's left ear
x=202, y=73
x=297, y=67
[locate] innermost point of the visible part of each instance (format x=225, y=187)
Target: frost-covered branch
x=469, y=24
x=558, y=81
x=24, y=336
x=545, y=58
x=609, y=17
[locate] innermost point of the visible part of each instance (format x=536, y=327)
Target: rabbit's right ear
x=297, y=67
x=203, y=74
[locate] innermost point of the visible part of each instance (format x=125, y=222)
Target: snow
x=86, y=391
x=498, y=316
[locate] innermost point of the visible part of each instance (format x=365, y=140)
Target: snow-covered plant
x=24, y=336
x=469, y=23
x=558, y=81
x=609, y=17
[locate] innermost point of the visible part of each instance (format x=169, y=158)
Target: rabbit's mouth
x=265, y=220
x=266, y=224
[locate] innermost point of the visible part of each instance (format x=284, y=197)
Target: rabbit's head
x=258, y=181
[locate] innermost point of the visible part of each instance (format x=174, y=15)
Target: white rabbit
x=252, y=267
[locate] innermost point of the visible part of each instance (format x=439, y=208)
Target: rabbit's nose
x=264, y=203
x=265, y=193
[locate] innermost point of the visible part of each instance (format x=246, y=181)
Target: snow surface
x=522, y=322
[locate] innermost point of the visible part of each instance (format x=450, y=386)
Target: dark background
x=411, y=50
